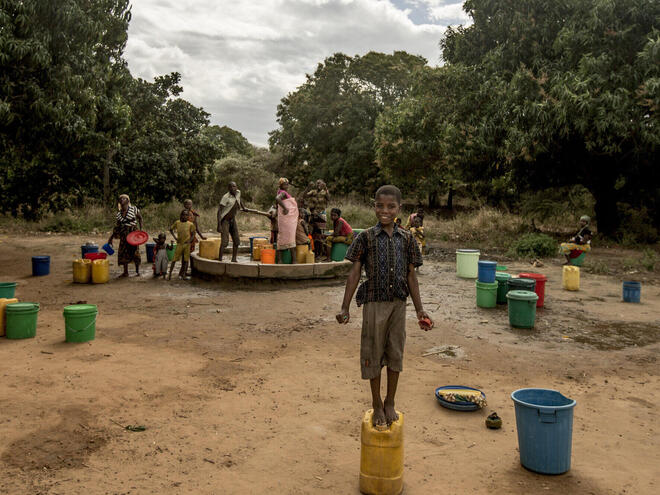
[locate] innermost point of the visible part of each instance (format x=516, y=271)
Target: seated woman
x=342, y=232
x=578, y=244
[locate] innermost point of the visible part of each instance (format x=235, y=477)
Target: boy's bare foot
x=390, y=413
x=378, y=417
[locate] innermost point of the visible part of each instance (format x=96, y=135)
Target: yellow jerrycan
x=3, y=320
x=570, y=277
x=309, y=256
x=381, y=457
x=82, y=271
x=301, y=253
x=209, y=248
x=100, y=271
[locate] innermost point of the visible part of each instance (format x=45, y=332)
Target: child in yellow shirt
x=185, y=230
x=418, y=233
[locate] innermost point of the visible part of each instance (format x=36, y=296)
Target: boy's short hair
x=389, y=190
x=337, y=211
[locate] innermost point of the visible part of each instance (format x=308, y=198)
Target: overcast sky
x=239, y=58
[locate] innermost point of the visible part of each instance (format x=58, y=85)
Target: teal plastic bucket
x=80, y=322
x=338, y=251
x=7, y=290
x=544, y=420
x=21, y=320
x=522, y=308
x=577, y=261
x=502, y=279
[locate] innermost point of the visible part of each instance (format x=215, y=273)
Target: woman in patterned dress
x=128, y=217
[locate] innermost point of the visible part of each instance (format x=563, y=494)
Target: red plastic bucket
x=96, y=256
x=540, y=286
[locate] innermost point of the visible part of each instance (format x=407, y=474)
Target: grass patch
x=534, y=246
x=597, y=268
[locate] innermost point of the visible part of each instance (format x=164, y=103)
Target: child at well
x=160, y=256
x=389, y=255
x=185, y=230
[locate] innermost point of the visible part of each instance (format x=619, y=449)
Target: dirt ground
x=256, y=389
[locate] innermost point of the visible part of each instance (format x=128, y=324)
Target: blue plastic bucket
x=544, y=420
x=108, y=249
x=632, y=292
x=486, y=272
x=150, y=251
x=88, y=248
x=40, y=266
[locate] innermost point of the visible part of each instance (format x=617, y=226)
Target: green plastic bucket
x=7, y=290
x=522, y=308
x=579, y=260
x=517, y=283
x=170, y=252
x=501, y=268
x=467, y=263
x=486, y=294
x=502, y=286
x=21, y=320
x=80, y=322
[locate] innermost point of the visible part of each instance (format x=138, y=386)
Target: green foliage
x=546, y=94
x=649, y=259
x=556, y=205
x=233, y=141
x=70, y=111
x=251, y=173
x=326, y=126
x=534, y=246
x=636, y=227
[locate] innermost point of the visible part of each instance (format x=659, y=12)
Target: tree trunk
x=434, y=200
x=106, y=176
x=450, y=198
x=607, y=214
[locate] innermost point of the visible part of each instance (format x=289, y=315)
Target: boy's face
x=187, y=204
x=387, y=208
x=161, y=238
x=583, y=223
x=183, y=217
x=334, y=216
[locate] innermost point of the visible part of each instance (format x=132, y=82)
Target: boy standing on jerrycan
x=185, y=230
x=389, y=255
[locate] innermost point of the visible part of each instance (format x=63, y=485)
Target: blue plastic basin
x=632, y=292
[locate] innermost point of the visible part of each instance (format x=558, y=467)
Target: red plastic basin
x=96, y=256
x=540, y=286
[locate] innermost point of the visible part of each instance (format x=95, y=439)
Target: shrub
x=534, y=246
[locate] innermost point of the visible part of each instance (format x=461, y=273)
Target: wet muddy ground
x=256, y=389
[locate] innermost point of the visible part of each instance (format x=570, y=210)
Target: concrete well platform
x=247, y=269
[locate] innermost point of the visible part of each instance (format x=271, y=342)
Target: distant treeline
x=534, y=94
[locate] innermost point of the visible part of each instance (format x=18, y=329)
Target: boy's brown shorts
x=383, y=337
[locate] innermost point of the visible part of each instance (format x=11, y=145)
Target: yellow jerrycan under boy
x=381, y=457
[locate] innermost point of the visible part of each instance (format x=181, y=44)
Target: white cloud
x=239, y=58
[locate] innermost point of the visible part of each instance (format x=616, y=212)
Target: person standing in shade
x=227, y=225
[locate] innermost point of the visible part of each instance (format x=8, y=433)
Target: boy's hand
x=425, y=321
x=343, y=317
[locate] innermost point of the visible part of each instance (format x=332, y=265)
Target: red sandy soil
x=256, y=389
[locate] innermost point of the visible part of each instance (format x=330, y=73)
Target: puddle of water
x=612, y=335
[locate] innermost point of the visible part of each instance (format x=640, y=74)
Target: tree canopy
x=327, y=124
x=74, y=123
x=539, y=94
